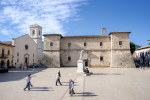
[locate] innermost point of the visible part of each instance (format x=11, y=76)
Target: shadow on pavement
x=15, y=74
x=106, y=74
x=41, y=88
x=85, y=94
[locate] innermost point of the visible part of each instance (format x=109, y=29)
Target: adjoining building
x=103, y=50
x=143, y=55
x=6, y=54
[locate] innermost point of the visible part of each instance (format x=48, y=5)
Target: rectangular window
x=69, y=44
x=69, y=58
x=101, y=43
x=17, y=60
x=8, y=52
x=84, y=44
x=17, y=53
x=120, y=42
x=33, y=55
x=101, y=58
x=51, y=44
x=33, y=60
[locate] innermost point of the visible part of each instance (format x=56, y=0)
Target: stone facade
x=99, y=50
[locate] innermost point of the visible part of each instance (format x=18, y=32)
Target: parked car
x=137, y=65
x=37, y=65
x=31, y=66
x=3, y=70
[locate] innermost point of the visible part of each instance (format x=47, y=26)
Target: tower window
x=33, y=55
x=69, y=44
x=33, y=32
x=84, y=44
x=39, y=33
x=69, y=58
x=120, y=42
x=101, y=43
x=101, y=58
x=51, y=44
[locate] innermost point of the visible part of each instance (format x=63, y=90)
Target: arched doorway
x=2, y=63
x=8, y=63
x=26, y=60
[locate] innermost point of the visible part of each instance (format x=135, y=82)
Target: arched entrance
x=8, y=63
x=26, y=59
x=2, y=63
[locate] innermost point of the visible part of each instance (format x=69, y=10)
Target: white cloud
x=50, y=14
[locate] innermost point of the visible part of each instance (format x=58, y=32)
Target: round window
x=26, y=47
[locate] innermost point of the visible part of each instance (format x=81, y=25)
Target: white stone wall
x=19, y=44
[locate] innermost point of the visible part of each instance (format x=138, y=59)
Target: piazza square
x=103, y=84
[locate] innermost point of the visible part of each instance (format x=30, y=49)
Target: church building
x=28, y=48
x=103, y=50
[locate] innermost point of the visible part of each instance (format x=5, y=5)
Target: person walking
x=71, y=85
x=58, y=79
x=30, y=80
x=59, y=75
x=21, y=65
x=28, y=83
x=143, y=67
x=33, y=68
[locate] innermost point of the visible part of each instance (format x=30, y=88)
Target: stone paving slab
x=104, y=84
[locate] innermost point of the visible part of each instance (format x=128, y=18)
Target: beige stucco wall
x=92, y=43
x=9, y=57
x=56, y=42
x=19, y=44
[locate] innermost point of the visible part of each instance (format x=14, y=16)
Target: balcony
x=4, y=56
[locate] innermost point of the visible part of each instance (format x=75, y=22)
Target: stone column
x=101, y=31
x=105, y=32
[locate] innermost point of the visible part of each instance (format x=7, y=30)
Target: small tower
x=104, y=30
x=36, y=35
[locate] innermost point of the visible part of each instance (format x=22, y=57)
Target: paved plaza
x=104, y=84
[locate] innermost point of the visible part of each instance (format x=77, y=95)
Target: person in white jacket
x=58, y=79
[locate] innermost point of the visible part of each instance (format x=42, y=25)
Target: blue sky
x=76, y=17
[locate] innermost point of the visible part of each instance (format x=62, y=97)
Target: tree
x=149, y=43
x=132, y=47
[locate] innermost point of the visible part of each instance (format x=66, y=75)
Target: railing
x=3, y=56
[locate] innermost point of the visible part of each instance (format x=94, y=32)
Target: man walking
x=71, y=87
x=58, y=79
x=28, y=83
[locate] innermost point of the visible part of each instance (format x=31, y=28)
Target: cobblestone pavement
x=104, y=84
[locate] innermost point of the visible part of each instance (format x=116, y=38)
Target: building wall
x=9, y=57
x=120, y=54
x=51, y=54
x=92, y=43
x=113, y=54
x=19, y=44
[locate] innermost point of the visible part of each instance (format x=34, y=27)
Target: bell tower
x=36, y=35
